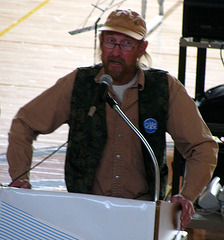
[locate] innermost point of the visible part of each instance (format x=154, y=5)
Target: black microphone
x=101, y=95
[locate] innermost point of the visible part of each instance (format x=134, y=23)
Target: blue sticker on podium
x=150, y=125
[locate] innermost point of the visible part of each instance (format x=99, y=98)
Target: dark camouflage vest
x=87, y=136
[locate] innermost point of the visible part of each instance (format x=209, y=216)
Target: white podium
x=32, y=214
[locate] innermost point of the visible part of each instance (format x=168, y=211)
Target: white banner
x=30, y=214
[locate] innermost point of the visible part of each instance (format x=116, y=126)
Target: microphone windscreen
x=106, y=79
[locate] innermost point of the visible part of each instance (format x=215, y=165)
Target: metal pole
x=144, y=5
x=161, y=10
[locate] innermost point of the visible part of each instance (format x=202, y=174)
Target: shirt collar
x=140, y=81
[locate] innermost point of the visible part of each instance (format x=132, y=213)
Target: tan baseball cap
x=126, y=22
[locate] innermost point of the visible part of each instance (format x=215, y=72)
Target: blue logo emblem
x=150, y=125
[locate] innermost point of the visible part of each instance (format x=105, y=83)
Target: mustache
x=116, y=59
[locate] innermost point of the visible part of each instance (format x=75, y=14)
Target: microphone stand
x=114, y=105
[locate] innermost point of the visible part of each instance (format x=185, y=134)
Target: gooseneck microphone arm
x=113, y=104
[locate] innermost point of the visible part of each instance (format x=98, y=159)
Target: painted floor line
x=23, y=18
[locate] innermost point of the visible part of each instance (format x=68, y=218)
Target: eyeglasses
x=124, y=46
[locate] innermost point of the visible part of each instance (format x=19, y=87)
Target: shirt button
x=118, y=156
x=117, y=177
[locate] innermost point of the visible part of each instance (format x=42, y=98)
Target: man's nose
x=117, y=50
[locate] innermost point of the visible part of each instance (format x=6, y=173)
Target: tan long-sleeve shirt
x=121, y=171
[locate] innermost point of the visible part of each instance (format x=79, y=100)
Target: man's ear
x=142, y=48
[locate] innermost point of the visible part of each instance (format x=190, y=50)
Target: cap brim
x=123, y=31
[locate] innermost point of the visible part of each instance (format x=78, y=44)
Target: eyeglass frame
x=113, y=45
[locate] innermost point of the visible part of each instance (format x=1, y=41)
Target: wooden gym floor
x=36, y=49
